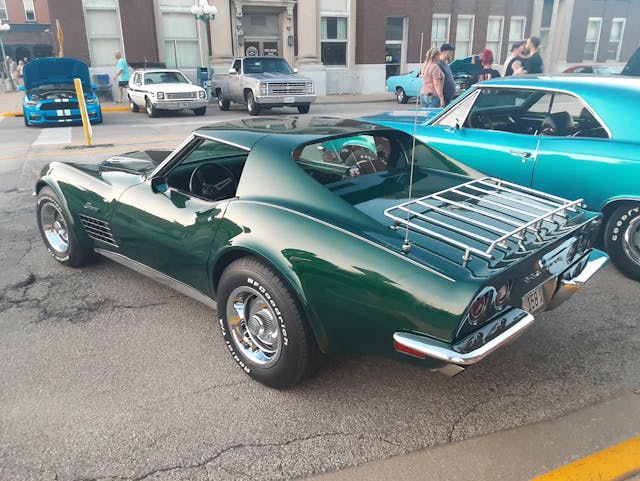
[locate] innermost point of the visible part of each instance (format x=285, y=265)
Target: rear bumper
x=503, y=328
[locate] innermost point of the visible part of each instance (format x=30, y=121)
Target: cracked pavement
x=109, y=376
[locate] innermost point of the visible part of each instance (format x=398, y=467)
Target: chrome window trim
x=528, y=87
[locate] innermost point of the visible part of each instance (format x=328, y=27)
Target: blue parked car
x=574, y=136
x=408, y=85
x=50, y=96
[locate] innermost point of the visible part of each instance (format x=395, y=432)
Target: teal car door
x=172, y=230
x=490, y=130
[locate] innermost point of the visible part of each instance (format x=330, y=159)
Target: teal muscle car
x=320, y=235
x=569, y=135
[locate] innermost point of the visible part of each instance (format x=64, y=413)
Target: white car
x=165, y=89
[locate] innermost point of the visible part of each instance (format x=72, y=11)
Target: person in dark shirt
x=487, y=72
x=447, y=54
x=516, y=54
x=533, y=63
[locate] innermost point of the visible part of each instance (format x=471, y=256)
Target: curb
x=124, y=108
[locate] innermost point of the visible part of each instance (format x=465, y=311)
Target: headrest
x=558, y=123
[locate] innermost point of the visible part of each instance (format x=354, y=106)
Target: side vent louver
x=98, y=229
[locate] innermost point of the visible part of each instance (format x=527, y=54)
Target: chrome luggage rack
x=500, y=211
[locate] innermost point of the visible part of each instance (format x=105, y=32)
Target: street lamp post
x=205, y=12
x=5, y=27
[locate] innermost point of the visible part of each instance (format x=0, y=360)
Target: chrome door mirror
x=159, y=185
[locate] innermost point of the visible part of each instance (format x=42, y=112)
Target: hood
x=277, y=76
x=466, y=65
x=633, y=65
x=52, y=70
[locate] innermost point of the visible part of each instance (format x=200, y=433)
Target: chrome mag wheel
x=631, y=242
x=54, y=227
x=253, y=325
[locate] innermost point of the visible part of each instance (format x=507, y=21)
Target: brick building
x=30, y=33
x=345, y=45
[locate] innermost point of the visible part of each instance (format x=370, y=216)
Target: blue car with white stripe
x=50, y=95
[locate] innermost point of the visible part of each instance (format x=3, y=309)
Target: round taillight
x=478, y=308
x=503, y=294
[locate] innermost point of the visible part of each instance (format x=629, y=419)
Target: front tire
x=263, y=326
x=133, y=106
x=401, y=96
x=252, y=105
x=223, y=104
x=304, y=109
x=56, y=231
x=151, y=110
x=622, y=239
x=200, y=111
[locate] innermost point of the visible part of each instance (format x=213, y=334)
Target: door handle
x=521, y=153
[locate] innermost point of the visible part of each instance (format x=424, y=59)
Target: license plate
x=184, y=105
x=289, y=100
x=533, y=300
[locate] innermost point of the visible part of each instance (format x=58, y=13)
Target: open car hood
x=52, y=70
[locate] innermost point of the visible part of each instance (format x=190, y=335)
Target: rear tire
x=57, y=233
x=263, y=326
x=252, y=105
x=622, y=239
x=401, y=96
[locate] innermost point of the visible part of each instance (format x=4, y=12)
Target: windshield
x=164, y=78
x=262, y=65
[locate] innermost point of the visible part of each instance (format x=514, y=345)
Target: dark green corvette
x=316, y=235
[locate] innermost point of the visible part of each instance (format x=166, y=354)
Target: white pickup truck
x=261, y=83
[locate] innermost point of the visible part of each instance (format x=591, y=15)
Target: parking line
x=54, y=136
x=618, y=462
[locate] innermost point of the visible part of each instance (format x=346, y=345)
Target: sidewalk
x=574, y=447
x=11, y=102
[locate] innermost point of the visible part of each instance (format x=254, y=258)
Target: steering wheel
x=213, y=182
x=477, y=120
x=363, y=159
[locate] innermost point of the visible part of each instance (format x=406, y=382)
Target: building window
x=516, y=29
x=29, y=11
x=439, y=30
x=3, y=10
x=464, y=36
x=181, y=45
x=394, y=40
x=615, y=38
x=103, y=32
x=494, y=37
x=592, y=39
x=334, y=40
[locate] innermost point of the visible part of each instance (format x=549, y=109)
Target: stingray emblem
x=88, y=206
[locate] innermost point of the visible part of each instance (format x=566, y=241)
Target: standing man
x=122, y=76
x=516, y=54
x=447, y=54
x=533, y=63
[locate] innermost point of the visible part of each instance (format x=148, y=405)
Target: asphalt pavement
x=522, y=453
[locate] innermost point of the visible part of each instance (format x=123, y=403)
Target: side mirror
x=295, y=70
x=21, y=88
x=159, y=185
x=457, y=124
x=233, y=70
